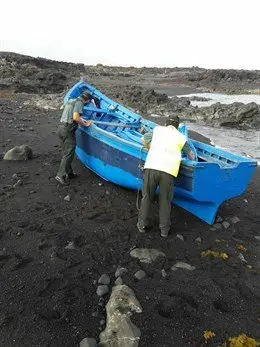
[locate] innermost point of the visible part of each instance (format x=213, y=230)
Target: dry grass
x=214, y=254
x=243, y=341
x=208, y=334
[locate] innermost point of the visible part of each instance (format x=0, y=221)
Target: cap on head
x=173, y=121
x=85, y=95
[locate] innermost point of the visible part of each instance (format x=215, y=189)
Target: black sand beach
x=52, y=252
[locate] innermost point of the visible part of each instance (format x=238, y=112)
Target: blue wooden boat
x=113, y=150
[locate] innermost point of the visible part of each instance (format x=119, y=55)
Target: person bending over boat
x=161, y=168
x=71, y=117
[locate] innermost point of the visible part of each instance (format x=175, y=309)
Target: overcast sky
x=205, y=33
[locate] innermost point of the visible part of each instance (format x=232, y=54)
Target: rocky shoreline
x=46, y=81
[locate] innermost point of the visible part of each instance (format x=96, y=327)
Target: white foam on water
x=222, y=98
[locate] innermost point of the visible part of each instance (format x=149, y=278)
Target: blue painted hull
x=116, y=155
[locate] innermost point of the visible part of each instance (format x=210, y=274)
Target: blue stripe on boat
x=112, y=157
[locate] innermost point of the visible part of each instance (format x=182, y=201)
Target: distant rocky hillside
x=35, y=75
x=215, y=76
x=47, y=81
x=22, y=73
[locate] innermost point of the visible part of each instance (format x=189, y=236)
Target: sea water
x=222, y=98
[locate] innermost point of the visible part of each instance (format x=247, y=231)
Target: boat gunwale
x=96, y=93
x=235, y=158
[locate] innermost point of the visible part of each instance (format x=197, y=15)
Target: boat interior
x=113, y=124
x=137, y=126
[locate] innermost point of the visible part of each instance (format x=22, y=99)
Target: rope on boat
x=138, y=191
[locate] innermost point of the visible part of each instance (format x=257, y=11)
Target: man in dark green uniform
x=69, y=121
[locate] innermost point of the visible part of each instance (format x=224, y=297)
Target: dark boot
x=164, y=233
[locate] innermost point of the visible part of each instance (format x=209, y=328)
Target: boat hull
x=119, y=166
x=200, y=188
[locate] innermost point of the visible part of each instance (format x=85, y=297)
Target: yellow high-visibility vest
x=165, y=150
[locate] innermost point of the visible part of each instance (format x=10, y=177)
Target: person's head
x=173, y=121
x=86, y=97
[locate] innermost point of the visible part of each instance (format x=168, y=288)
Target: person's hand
x=191, y=155
x=87, y=123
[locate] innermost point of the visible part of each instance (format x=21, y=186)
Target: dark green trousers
x=153, y=179
x=66, y=133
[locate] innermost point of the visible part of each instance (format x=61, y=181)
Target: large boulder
x=236, y=115
x=120, y=331
x=22, y=152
